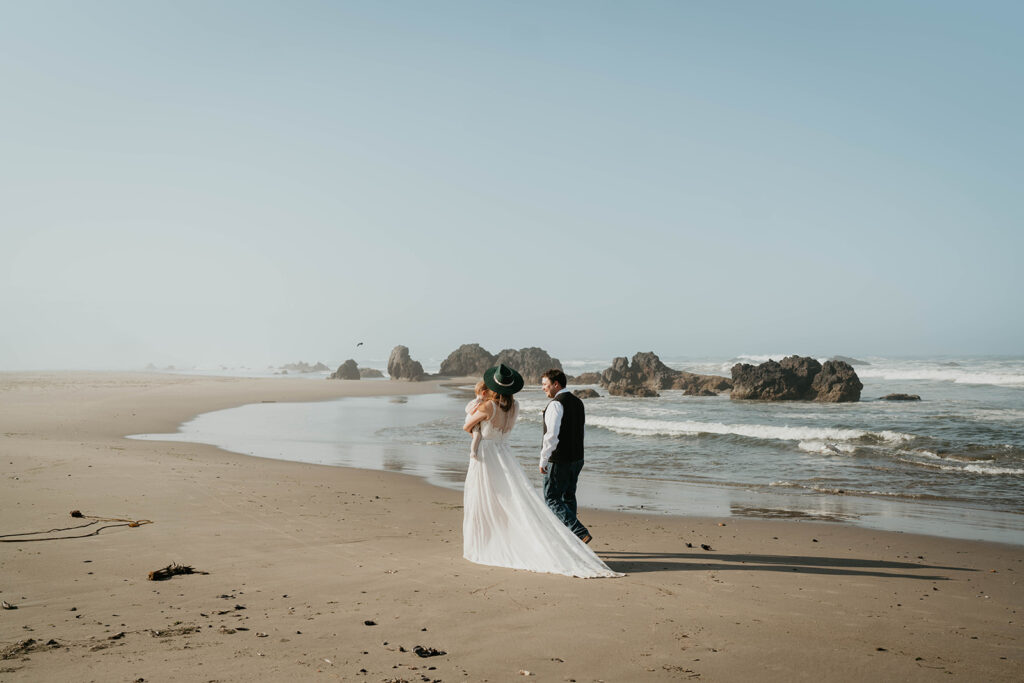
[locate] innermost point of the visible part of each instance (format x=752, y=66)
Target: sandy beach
x=326, y=573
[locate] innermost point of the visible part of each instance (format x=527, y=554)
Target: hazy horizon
x=259, y=183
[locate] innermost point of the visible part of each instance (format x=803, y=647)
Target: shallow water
x=949, y=465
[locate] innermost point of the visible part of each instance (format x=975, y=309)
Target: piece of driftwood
x=171, y=570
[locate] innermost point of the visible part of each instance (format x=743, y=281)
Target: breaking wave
x=635, y=427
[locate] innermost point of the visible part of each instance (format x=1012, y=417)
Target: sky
x=255, y=183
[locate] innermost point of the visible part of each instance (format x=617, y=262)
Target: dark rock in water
x=837, y=383
x=622, y=380
x=401, y=366
x=469, y=360
x=769, y=381
x=900, y=397
x=699, y=392
x=646, y=375
x=586, y=393
x=347, y=370
x=640, y=391
x=796, y=378
x=370, y=372
x=850, y=361
x=530, y=362
x=586, y=378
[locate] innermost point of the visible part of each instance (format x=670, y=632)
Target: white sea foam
x=959, y=375
x=973, y=467
x=980, y=469
x=635, y=427
x=826, y=447
x=577, y=365
x=988, y=469
x=755, y=359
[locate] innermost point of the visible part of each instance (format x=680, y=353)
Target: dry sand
x=301, y=557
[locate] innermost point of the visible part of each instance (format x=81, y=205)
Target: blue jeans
x=560, y=493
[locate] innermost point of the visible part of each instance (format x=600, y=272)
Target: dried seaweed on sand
x=171, y=570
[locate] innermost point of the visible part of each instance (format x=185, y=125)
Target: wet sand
x=300, y=557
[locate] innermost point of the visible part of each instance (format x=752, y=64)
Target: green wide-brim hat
x=503, y=380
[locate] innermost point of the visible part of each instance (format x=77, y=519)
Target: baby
x=481, y=395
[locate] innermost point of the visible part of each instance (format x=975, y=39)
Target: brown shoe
x=587, y=539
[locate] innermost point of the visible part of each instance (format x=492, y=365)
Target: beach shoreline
x=772, y=600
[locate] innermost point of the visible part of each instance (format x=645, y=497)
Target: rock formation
x=586, y=378
x=347, y=370
x=372, y=373
x=836, y=383
x=401, y=366
x=531, y=362
x=647, y=375
x=900, y=397
x=469, y=360
x=586, y=393
x=796, y=378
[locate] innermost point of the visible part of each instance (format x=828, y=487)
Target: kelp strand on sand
x=7, y=538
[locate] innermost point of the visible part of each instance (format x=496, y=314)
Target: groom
x=561, y=455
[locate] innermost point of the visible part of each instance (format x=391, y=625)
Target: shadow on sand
x=636, y=562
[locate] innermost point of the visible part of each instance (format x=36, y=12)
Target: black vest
x=570, y=433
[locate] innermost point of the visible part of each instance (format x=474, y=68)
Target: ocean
x=950, y=465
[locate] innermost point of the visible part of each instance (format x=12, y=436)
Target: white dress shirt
x=552, y=425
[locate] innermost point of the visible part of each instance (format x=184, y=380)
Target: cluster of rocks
x=349, y=370
x=796, y=378
x=900, y=397
x=471, y=360
x=646, y=375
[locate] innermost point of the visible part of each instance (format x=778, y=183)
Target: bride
x=506, y=524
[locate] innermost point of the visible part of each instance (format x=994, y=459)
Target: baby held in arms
x=481, y=396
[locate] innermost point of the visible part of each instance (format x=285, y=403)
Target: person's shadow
x=638, y=562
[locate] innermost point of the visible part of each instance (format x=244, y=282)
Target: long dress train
x=506, y=523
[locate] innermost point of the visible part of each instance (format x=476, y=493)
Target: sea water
x=951, y=464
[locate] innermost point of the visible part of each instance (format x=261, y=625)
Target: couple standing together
x=505, y=522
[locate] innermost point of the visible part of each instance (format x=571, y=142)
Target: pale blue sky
x=259, y=182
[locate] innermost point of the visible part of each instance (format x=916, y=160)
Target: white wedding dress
x=506, y=523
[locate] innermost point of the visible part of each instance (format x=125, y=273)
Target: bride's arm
x=483, y=412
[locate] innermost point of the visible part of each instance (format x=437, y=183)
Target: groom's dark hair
x=555, y=375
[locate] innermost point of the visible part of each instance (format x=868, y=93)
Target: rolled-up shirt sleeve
x=552, y=425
